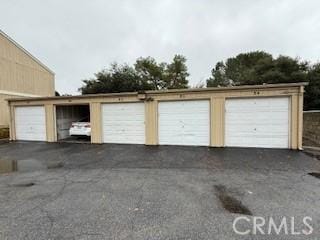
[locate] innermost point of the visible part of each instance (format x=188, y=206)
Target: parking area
x=110, y=191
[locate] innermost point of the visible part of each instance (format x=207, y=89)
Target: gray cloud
x=76, y=38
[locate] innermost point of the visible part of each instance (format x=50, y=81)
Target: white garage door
x=257, y=122
x=30, y=123
x=123, y=123
x=184, y=123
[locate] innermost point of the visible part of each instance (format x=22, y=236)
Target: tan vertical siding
x=4, y=110
x=294, y=121
x=12, y=124
x=151, y=115
x=20, y=74
x=95, y=121
x=300, y=118
x=217, y=121
x=50, y=123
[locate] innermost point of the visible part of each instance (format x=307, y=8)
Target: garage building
x=266, y=116
x=21, y=75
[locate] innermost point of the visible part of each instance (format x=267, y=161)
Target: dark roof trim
x=26, y=52
x=191, y=90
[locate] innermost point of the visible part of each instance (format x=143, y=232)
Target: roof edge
x=4, y=92
x=26, y=52
x=189, y=90
x=240, y=87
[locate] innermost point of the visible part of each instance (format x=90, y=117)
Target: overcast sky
x=76, y=38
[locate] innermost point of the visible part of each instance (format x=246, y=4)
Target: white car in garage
x=80, y=128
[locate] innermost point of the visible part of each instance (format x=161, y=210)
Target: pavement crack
x=138, y=205
x=51, y=221
x=52, y=198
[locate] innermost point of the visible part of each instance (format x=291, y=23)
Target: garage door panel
x=119, y=135
x=136, y=132
x=35, y=117
x=184, y=123
x=30, y=123
x=261, y=134
x=30, y=129
x=257, y=122
x=257, y=142
x=118, y=124
x=244, y=105
x=118, y=116
x=115, y=130
x=276, y=130
x=123, y=123
x=35, y=122
x=31, y=137
x=250, y=127
x=261, y=142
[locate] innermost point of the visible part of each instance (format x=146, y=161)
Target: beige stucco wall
x=217, y=99
x=21, y=75
x=4, y=110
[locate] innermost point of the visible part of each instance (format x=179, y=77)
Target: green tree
x=118, y=78
x=282, y=70
x=260, y=67
x=218, y=76
x=151, y=72
x=176, y=73
x=146, y=74
x=239, y=70
x=257, y=68
x=312, y=94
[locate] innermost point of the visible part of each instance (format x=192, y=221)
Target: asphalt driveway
x=83, y=191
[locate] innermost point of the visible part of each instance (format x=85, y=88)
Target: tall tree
x=151, y=72
x=176, y=73
x=118, y=78
x=241, y=69
x=257, y=68
x=146, y=74
x=260, y=67
x=218, y=76
x=282, y=70
x=312, y=95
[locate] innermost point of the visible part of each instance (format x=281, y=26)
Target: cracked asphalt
x=109, y=191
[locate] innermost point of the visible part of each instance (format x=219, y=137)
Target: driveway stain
x=314, y=174
x=23, y=184
x=53, y=165
x=230, y=203
x=28, y=165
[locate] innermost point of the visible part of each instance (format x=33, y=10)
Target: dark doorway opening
x=73, y=123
